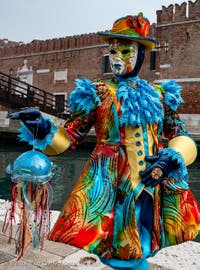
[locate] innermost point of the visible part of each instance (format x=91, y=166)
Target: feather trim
x=177, y=178
x=84, y=98
x=172, y=97
x=27, y=136
x=140, y=103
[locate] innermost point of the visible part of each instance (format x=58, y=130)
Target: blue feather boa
x=172, y=97
x=140, y=103
x=83, y=98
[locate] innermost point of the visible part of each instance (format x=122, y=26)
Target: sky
x=26, y=20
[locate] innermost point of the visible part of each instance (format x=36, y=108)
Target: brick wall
x=178, y=54
x=191, y=96
x=80, y=55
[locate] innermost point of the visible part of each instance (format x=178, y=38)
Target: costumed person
x=132, y=198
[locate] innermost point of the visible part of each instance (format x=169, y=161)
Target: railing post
x=45, y=101
x=28, y=96
x=9, y=87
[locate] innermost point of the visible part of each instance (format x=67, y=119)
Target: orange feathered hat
x=134, y=28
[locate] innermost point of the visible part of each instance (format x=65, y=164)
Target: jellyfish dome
x=31, y=166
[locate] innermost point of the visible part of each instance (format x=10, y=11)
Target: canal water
x=69, y=167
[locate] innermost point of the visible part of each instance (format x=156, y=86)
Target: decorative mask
x=123, y=56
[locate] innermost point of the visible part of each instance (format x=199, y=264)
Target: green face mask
x=123, y=56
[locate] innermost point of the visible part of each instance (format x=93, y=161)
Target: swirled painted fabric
x=109, y=211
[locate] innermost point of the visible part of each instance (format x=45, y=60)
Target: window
x=153, y=60
x=60, y=76
x=106, y=64
x=60, y=102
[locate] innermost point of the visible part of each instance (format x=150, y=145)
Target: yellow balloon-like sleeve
x=186, y=147
x=60, y=143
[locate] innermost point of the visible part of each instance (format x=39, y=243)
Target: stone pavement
x=54, y=256
x=58, y=256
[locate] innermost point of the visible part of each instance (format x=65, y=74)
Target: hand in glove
x=34, y=121
x=159, y=169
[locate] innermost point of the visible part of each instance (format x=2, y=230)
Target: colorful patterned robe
x=109, y=211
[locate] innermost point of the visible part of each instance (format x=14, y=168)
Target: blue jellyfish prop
x=30, y=174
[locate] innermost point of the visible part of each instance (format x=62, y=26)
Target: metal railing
x=18, y=94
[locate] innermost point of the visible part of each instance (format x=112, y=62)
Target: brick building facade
x=54, y=64
x=178, y=50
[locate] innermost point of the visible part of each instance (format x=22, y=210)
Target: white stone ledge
x=180, y=80
x=181, y=257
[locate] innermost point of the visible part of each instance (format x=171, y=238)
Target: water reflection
x=69, y=168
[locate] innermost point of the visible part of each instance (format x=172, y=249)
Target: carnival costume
x=132, y=198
